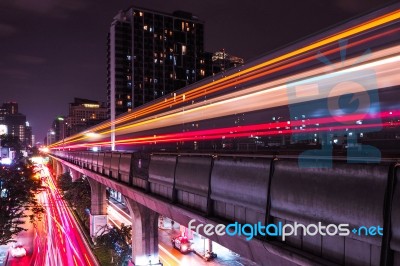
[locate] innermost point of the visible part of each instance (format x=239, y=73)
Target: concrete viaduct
x=218, y=188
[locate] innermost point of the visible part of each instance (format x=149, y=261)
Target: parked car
x=17, y=250
x=182, y=244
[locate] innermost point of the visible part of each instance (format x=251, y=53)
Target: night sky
x=54, y=50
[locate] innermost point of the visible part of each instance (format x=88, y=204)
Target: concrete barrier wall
x=90, y=160
x=114, y=166
x=239, y=188
x=100, y=163
x=140, y=170
x=79, y=158
x=107, y=163
x=351, y=194
x=125, y=166
x=162, y=174
x=95, y=157
x=259, y=189
x=84, y=159
x=395, y=220
x=192, y=178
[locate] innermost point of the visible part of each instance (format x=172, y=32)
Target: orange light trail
x=244, y=75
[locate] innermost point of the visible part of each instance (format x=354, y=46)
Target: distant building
x=50, y=137
x=220, y=61
x=83, y=113
x=29, y=137
x=10, y=108
x=151, y=54
x=12, y=122
x=59, y=127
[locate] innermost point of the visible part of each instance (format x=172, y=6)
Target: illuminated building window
x=202, y=72
x=90, y=105
x=183, y=49
x=119, y=102
x=141, y=14
x=145, y=27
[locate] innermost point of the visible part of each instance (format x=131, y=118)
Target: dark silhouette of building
x=11, y=108
x=14, y=123
x=151, y=54
x=220, y=61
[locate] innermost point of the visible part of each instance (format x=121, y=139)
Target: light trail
x=257, y=99
x=64, y=241
x=245, y=74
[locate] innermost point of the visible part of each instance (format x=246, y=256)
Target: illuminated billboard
x=3, y=129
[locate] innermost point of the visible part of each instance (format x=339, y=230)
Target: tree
x=117, y=241
x=18, y=186
x=64, y=182
x=13, y=142
x=77, y=194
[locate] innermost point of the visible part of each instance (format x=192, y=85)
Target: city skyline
x=54, y=51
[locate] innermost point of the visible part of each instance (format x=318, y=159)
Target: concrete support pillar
x=75, y=175
x=144, y=233
x=210, y=245
x=59, y=169
x=98, y=208
x=65, y=169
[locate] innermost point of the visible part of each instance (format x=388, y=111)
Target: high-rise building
x=60, y=128
x=10, y=108
x=151, y=54
x=83, y=113
x=50, y=137
x=29, y=138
